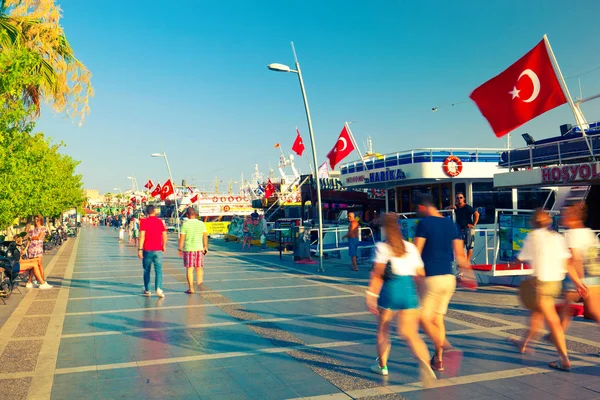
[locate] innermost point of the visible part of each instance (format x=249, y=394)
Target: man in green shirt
x=193, y=246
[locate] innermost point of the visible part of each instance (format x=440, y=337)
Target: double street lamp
x=284, y=68
x=172, y=183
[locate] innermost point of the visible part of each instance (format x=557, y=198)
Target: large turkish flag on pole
x=342, y=148
x=167, y=190
x=526, y=89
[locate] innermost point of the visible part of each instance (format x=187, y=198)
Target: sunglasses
x=459, y=197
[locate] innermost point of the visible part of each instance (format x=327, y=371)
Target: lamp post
x=134, y=185
x=171, y=178
x=298, y=71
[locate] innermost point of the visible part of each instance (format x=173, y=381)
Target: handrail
x=554, y=153
x=477, y=151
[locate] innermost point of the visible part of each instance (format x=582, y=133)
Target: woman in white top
x=396, y=293
x=547, y=253
x=580, y=240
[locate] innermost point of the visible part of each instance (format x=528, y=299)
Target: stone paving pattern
x=260, y=328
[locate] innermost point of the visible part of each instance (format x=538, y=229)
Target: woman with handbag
x=547, y=253
x=394, y=293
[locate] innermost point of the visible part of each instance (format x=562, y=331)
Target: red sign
x=571, y=173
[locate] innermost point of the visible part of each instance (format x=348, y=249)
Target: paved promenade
x=260, y=329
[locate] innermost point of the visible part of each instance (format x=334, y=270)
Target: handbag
x=528, y=294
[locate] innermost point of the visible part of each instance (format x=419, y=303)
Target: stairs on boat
x=570, y=195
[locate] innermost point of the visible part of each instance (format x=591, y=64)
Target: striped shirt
x=194, y=230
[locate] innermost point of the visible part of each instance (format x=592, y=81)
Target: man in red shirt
x=153, y=242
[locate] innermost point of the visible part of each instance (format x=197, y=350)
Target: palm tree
x=64, y=80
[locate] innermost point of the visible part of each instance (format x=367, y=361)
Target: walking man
x=193, y=246
x=439, y=244
x=352, y=236
x=153, y=242
x=466, y=220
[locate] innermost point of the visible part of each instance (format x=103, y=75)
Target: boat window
x=532, y=198
x=486, y=199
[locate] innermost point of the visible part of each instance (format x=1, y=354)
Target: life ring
x=215, y=199
x=239, y=198
x=226, y=208
x=453, y=166
x=223, y=199
x=230, y=199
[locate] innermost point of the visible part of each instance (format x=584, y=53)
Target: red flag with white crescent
x=523, y=91
x=166, y=190
x=149, y=185
x=343, y=147
x=157, y=190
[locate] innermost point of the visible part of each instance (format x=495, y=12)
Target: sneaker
x=160, y=293
x=145, y=293
x=45, y=286
x=379, y=370
x=29, y=285
x=436, y=364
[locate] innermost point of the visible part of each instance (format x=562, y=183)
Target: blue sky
x=190, y=78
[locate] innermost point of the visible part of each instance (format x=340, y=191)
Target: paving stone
x=41, y=307
x=14, y=389
x=32, y=327
x=46, y=294
x=20, y=356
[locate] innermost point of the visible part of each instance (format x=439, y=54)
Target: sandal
x=559, y=366
x=189, y=291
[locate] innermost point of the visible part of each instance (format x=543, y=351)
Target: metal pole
x=347, y=125
x=315, y=162
x=175, y=194
x=579, y=118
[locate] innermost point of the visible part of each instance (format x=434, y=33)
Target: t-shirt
x=582, y=239
x=464, y=215
x=438, y=252
x=546, y=251
x=154, y=228
x=405, y=265
x=193, y=229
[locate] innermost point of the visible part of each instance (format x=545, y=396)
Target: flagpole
x=347, y=125
x=579, y=118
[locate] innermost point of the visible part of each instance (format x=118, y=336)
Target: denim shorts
x=399, y=293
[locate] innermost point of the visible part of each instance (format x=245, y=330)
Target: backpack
x=591, y=260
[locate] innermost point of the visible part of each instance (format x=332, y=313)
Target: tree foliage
x=64, y=81
x=36, y=177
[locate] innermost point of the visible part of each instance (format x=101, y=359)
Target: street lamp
x=171, y=179
x=284, y=68
x=134, y=186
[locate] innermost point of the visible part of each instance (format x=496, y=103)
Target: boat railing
x=557, y=152
x=432, y=154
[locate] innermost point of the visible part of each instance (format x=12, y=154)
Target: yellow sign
x=217, y=228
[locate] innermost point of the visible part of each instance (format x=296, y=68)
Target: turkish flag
x=132, y=200
x=342, y=148
x=144, y=199
x=298, y=146
x=269, y=189
x=525, y=90
x=156, y=191
x=167, y=190
x=194, y=199
x=149, y=185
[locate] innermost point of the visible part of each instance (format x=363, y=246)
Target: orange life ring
x=215, y=199
x=230, y=199
x=223, y=199
x=453, y=166
x=226, y=208
x=239, y=198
